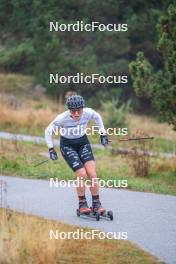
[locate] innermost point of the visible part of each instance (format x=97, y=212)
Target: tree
x=27, y=46
x=159, y=85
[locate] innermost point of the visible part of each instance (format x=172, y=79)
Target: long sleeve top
x=69, y=128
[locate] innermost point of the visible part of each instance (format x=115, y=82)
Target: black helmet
x=75, y=102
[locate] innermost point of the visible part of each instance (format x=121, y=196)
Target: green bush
x=115, y=114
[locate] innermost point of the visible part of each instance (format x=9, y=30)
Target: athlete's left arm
x=99, y=122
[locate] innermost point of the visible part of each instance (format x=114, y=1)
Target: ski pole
x=38, y=164
x=137, y=138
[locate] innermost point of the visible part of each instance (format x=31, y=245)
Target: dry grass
x=138, y=156
x=24, y=110
x=23, y=117
x=151, y=127
x=15, y=83
x=165, y=165
x=25, y=239
x=11, y=148
x=24, y=106
x=32, y=117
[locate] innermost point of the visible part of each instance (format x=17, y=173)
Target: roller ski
x=97, y=208
x=96, y=211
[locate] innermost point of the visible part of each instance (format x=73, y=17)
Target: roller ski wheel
x=110, y=215
x=78, y=212
x=104, y=214
x=97, y=216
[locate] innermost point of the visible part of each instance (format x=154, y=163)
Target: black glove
x=53, y=154
x=104, y=140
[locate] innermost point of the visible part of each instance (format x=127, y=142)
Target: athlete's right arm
x=51, y=129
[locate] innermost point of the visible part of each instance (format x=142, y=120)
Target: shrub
x=115, y=115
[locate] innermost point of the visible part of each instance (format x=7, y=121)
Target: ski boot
x=97, y=207
x=83, y=207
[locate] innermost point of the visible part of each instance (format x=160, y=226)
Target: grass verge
x=25, y=239
x=19, y=158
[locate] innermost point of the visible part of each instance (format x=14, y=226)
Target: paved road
x=149, y=219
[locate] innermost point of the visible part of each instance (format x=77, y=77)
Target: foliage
x=141, y=71
x=159, y=85
x=27, y=46
x=115, y=115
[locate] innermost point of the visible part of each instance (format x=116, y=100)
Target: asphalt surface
x=149, y=219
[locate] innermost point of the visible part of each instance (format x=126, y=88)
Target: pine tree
x=159, y=85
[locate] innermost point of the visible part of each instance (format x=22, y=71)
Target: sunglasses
x=79, y=110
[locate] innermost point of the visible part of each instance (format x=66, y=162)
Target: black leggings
x=76, y=152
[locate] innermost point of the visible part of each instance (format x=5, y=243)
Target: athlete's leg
x=94, y=186
x=87, y=158
x=73, y=160
x=91, y=172
x=71, y=156
x=81, y=176
x=80, y=188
